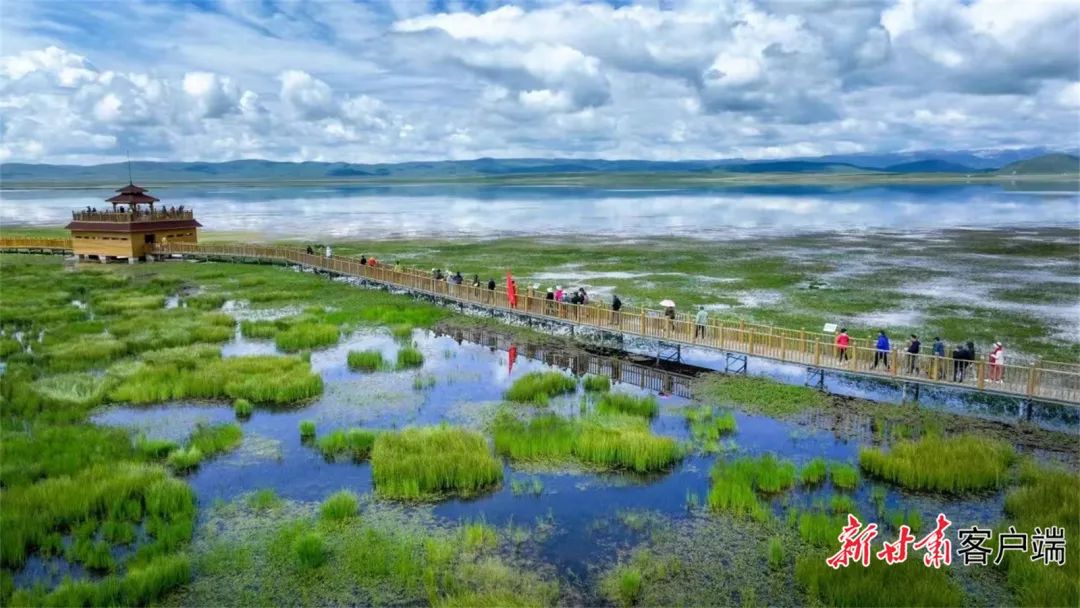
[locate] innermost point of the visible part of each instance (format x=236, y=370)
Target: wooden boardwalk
x=1042, y=381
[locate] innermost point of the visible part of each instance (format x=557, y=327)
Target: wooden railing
x=1054, y=382
x=129, y=218
x=34, y=243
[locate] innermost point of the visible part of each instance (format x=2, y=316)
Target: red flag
x=511, y=290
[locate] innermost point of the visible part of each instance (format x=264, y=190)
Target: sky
x=91, y=81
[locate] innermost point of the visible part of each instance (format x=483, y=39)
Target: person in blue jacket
x=882, y=353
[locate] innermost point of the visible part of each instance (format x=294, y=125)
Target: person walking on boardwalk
x=700, y=320
x=842, y=342
x=310, y=251
x=457, y=278
x=938, y=350
x=559, y=293
x=669, y=312
x=997, y=363
x=616, y=306
x=329, y=253
x=476, y=280
x=913, y=354
x=881, y=353
x=363, y=260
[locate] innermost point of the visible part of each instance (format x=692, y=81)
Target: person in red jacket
x=842, y=342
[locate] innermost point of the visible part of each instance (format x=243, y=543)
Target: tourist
x=491, y=284
x=842, y=342
x=310, y=251
x=584, y=296
x=699, y=322
x=457, y=278
x=328, y=252
x=939, y=351
x=669, y=312
x=881, y=354
x=363, y=260
x=476, y=280
x=372, y=261
x=616, y=306
x=397, y=266
x=958, y=364
x=559, y=293
x=997, y=363
x=913, y=354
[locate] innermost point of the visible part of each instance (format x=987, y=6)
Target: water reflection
x=484, y=211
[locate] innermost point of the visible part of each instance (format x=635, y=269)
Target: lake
x=448, y=211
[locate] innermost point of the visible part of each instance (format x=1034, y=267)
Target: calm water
x=583, y=508
x=486, y=211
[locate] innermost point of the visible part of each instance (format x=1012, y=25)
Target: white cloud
x=394, y=81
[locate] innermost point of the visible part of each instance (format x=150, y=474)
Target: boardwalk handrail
x=1059, y=382
x=19, y=242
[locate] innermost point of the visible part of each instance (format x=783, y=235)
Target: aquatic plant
x=627, y=404
x=264, y=499
x=79, y=390
x=422, y=382
x=243, y=408
x=340, y=505
x=205, y=301
x=401, y=331
x=611, y=441
x=594, y=383
x=213, y=439
x=813, y=472
x=141, y=585
x=409, y=357
x=183, y=357
x=958, y=464
x=259, y=329
x=841, y=504
x=259, y=379
x=303, y=336
x=538, y=388
x=155, y=449
x=843, y=475
x=419, y=463
x=821, y=529
x=737, y=483
x=307, y=429
x=355, y=443
x=310, y=550
x=84, y=352
x=757, y=394
x=184, y=459
x=366, y=360
x=910, y=518
x=905, y=584
x=707, y=427
x=1046, y=496
x=623, y=585
x=532, y=486
x=478, y=536
x=775, y=552
x=123, y=304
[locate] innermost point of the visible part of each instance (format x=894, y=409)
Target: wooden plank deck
x=1043, y=381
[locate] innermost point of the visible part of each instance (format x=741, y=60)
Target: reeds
x=401, y=331
x=736, y=484
x=340, y=505
x=79, y=390
x=263, y=500
x=814, y=472
x=307, y=429
x=155, y=449
x=905, y=584
x=757, y=394
x=355, y=443
x=623, y=585
x=645, y=406
x=310, y=550
x=366, y=360
x=205, y=301
x=409, y=357
x=596, y=384
x=843, y=475
x=302, y=336
x=958, y=464
x=821, y=529
x=478, y=537
x=532, y=486
x=774, y=551
x=609, y=441
x=216, y=439
x=259, y=379
x=259, y=329
x=538, y=388
x=420, y=463
x=243, y=408
x=707, y=427
x=183, y=460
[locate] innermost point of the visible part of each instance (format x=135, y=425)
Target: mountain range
x=1000, y=163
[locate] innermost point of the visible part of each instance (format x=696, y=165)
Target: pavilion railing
x=1052, y=381
x=129, y=217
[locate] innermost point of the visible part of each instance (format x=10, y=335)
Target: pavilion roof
x=132, y=195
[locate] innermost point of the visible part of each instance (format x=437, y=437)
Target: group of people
x=122, y=209
x=963, y=356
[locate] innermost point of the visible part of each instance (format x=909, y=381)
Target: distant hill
x=932, y=165
x=1047, y=164
x=255, y=171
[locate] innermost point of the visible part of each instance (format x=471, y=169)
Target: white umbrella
x=667, y=303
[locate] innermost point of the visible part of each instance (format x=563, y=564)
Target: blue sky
x=340, y=80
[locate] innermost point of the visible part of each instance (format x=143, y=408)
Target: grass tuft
x=243, y=408
x=596, y=384
x=310, y=550
x=340, y=505
x=307, y=429
x=737, y=483
x=409, y=357
x=539, y=387
x=814, y=472
x=622, y=403
x=366, y=360
x=958, y=464
x=843, y=475
x=426, y=462
x=304, y=336
x=354, y=443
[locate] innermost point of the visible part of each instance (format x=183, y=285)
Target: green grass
x=538, y=388
x=340, y=505
x=139, y=586
x=366, y=360
x=259, y=379
x=622, y=403
x=906, y=584
x=813, y=472
x=183, y=460
x=402, y=331
x=124, y=304
x=821, y=529
x=352, y=443
x=532, y=486
x=205, y=301
x=899, y=517
x=707, y=427
x=243, y=408
x=79, y=390
x=259, y=329
x=310, y=550
x=596, y=384
x=607, y=441
x=306, y=336
x=757, y=394
x=737, y=484
x=774, y=551
x=409, y=357
x=843, y=475
x=1045, y=497
x=478, y=537
x=428, y=462
x=155, y=449
x=623, y=585
x=307, y=429
x=841, y=504
x=264, y=500
x=958, y=464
